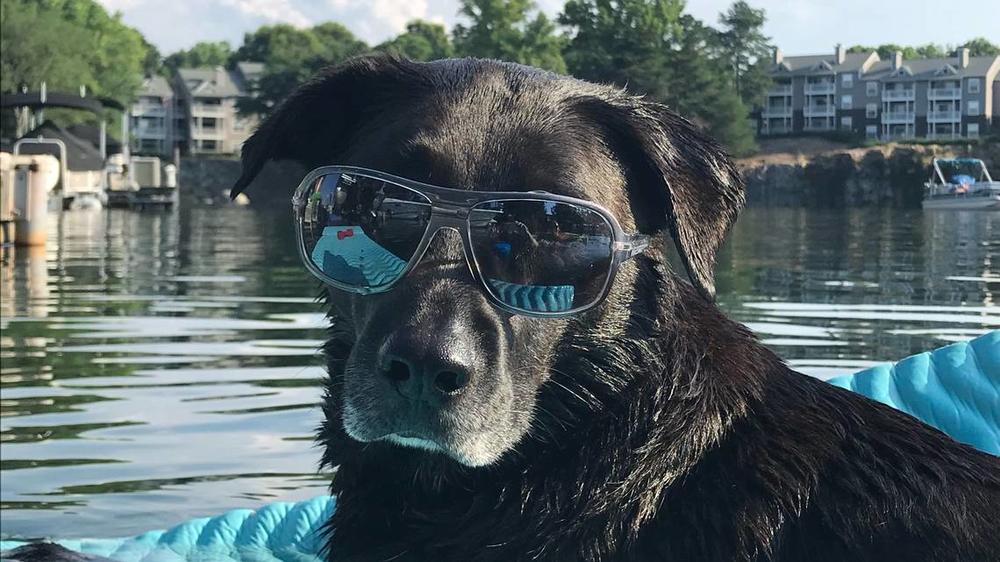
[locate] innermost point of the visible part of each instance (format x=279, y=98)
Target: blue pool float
x=955, y=388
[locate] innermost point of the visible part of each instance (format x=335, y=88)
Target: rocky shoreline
x=889, y=175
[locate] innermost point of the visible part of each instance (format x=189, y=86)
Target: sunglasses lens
x=360, y=230
x=542, y=256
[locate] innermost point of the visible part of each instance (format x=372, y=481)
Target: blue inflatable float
x=955, y=388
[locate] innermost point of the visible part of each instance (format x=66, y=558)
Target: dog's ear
x=680, y=179
x=317, y=121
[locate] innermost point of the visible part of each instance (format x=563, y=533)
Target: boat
x=961, y=183
x=933, y=386
x=95, y=170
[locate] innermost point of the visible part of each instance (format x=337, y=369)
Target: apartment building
x=152, y=127
x=944, y=98
x=208, y=119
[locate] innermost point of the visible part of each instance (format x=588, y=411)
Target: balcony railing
x=785, y=90
x=945, y=116
x=944, y=136
x=208, y=134
x=199, y=110
x=777, y=112
x=898, y=117
x=906, y=94
x=819, y=111
x=149, y=131
x=821, y=126
x=776, y=130
x=944, y=93
x=148, y=109
x=819, y=88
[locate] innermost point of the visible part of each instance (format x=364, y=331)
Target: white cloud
x=395, y=14
x=270, y=11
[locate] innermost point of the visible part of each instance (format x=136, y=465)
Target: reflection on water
x=157, y=367
x=836, y=291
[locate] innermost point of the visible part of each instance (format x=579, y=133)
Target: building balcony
x=207, y=110
x=950, y=116
x=775, y=130
x=776, y=112
x=821, y=126
x=782, y=91
x=820, y=88
x=944, y=93
x=898, y=117
x=819, y=111
x=906, y=94
x=149, y=110
x=207, y=134
x=150, y=132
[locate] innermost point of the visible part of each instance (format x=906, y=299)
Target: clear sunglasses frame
x=450, y=209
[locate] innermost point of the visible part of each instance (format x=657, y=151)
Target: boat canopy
x=38, y=100
x=81, y=154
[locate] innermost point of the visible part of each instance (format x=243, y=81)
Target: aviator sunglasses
x=533, y=253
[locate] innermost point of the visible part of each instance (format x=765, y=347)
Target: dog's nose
x=421, y=375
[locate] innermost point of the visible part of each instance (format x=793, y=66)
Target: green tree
x=652, y=48
x=68, y=44
x=501, y=29
x=747, y=50
x=204, y=53
x=623, y=41
x=336, y=43
x=290, y=57
x=422, y=41
x=981, y=47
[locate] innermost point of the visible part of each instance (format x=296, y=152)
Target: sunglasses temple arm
x=633, y=245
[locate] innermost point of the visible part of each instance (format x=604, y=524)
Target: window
x=846, y=123
x=973, y=106
x=973, y=130
x=208, y=123
x=973, y=85
x=871, y=110
x=847, y=80
x=847, y=102
x=871, y=131
x=208, y=145
x=871, y=88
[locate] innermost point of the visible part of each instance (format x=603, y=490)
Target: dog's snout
x=422, y=374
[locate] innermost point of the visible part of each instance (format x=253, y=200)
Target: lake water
x=157, y=367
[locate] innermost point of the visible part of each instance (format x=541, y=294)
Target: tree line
x=713, y=74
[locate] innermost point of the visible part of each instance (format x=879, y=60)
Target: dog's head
x=431, y=364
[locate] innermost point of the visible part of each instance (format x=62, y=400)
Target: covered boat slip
x=95, y=169
x=954, y=388
x=961, y=183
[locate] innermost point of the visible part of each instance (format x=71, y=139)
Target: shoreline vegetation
x=714, y=73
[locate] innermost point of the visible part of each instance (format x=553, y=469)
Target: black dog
x=649, y=428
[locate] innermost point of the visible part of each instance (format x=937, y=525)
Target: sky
x=796, y=26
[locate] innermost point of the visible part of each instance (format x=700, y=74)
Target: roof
x=211, y=82
x=820, y=64
x=81, y=155
x=51, y=99
x=156, y=86
x=250, y=71
x=942, y=69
